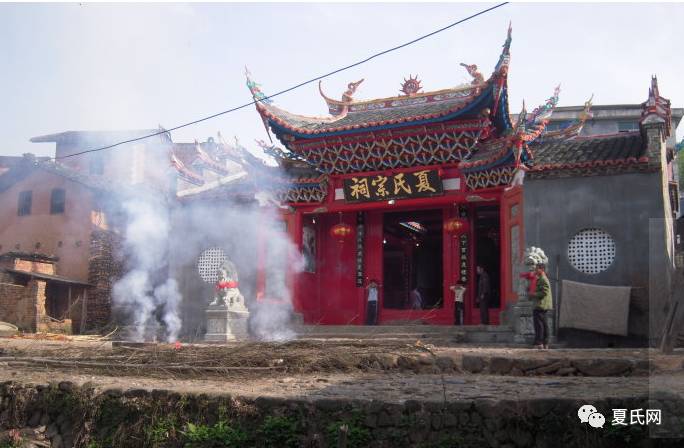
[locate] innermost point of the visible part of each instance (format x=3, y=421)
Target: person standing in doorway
x=459, y=292
x=483, y=293
x=543, y=301
x=372, y=305
x=416, y=299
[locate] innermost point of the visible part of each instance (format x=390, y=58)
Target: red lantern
x=341, y=231
x=456, y=226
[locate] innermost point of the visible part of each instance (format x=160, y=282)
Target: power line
x=266, y=98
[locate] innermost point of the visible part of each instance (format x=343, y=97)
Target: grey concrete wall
x=195, y=229
x=623, y=205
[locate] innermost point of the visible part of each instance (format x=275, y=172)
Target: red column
x=294, y=226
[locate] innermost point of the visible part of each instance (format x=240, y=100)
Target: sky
x=138, y=66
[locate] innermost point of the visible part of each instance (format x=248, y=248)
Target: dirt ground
x=313, y=369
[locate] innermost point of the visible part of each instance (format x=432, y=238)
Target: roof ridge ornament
x=543, y=112
x=499, y=79
x=575, y=128
x=351, y=88
x=255, y=89
x=411, y=86
x=656, y=109
x=586, y=112
x=505, y=57
x=473, y=71
x=339, y=108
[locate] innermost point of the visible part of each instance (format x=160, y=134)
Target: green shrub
x=220, y=435
x=357, y=435
x=162, y=430
x=279, y=432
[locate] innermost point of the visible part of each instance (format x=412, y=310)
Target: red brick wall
x=21, y=305
x=105, y=268
x=34, y=266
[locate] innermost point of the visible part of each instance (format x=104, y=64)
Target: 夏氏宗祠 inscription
x=381, y=187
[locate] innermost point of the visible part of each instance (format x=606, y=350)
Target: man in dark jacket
x=483, y=294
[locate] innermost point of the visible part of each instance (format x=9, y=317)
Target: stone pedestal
x=521, y=320
x=226, y=324
x=519, y=317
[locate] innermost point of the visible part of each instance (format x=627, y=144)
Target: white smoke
x=255, y=239
x=145, y=289
x=168, y=296
x=163, y=237
x=272, y=318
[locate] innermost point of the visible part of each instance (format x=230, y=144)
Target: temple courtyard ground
x=435, y=394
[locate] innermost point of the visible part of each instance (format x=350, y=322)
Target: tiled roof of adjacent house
x=587, y=154
x=29, y=164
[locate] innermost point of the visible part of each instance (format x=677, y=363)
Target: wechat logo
x=589, y=414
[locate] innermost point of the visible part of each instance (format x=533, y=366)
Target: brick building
x=51, y=230
x=67, y=213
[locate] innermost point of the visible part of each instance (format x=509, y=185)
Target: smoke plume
x=145, y=290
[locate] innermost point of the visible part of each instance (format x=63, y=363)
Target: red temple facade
x=412, y=191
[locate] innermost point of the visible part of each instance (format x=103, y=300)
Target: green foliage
x=680, y=163
x=10, y=444
x=13, y=440
x=220, y=435
x=279, y=432
x=161, y=431
x=450, y=441
x=357, y=435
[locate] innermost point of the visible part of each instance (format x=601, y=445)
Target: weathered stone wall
x=624, y=206
x=72, y=416
x=105, y=268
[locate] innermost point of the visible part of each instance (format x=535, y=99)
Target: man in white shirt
x=372, y=305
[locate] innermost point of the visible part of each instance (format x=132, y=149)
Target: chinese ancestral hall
x=416, y=190
x=412, y=191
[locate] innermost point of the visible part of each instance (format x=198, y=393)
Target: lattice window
x=591, y=251
x=208, y=263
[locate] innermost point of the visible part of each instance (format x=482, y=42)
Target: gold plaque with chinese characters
x=381, y=187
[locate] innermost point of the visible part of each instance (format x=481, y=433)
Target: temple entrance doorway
x=412, y=260
x=488, y=255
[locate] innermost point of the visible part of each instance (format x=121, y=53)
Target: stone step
x=378, y=329
x=479, y=334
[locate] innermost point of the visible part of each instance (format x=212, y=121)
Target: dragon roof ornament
x=530, y=126
x=543, y=112
x=472, y=71
x=255, y=89
x=340, y=107
x=575, y=128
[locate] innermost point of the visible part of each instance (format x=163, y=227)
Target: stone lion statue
x=227, y=291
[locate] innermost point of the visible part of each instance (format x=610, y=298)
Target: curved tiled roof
x=347, y=116
x=370, y=114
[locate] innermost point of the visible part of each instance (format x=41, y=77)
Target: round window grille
x=591, y=251
x=209, y=262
